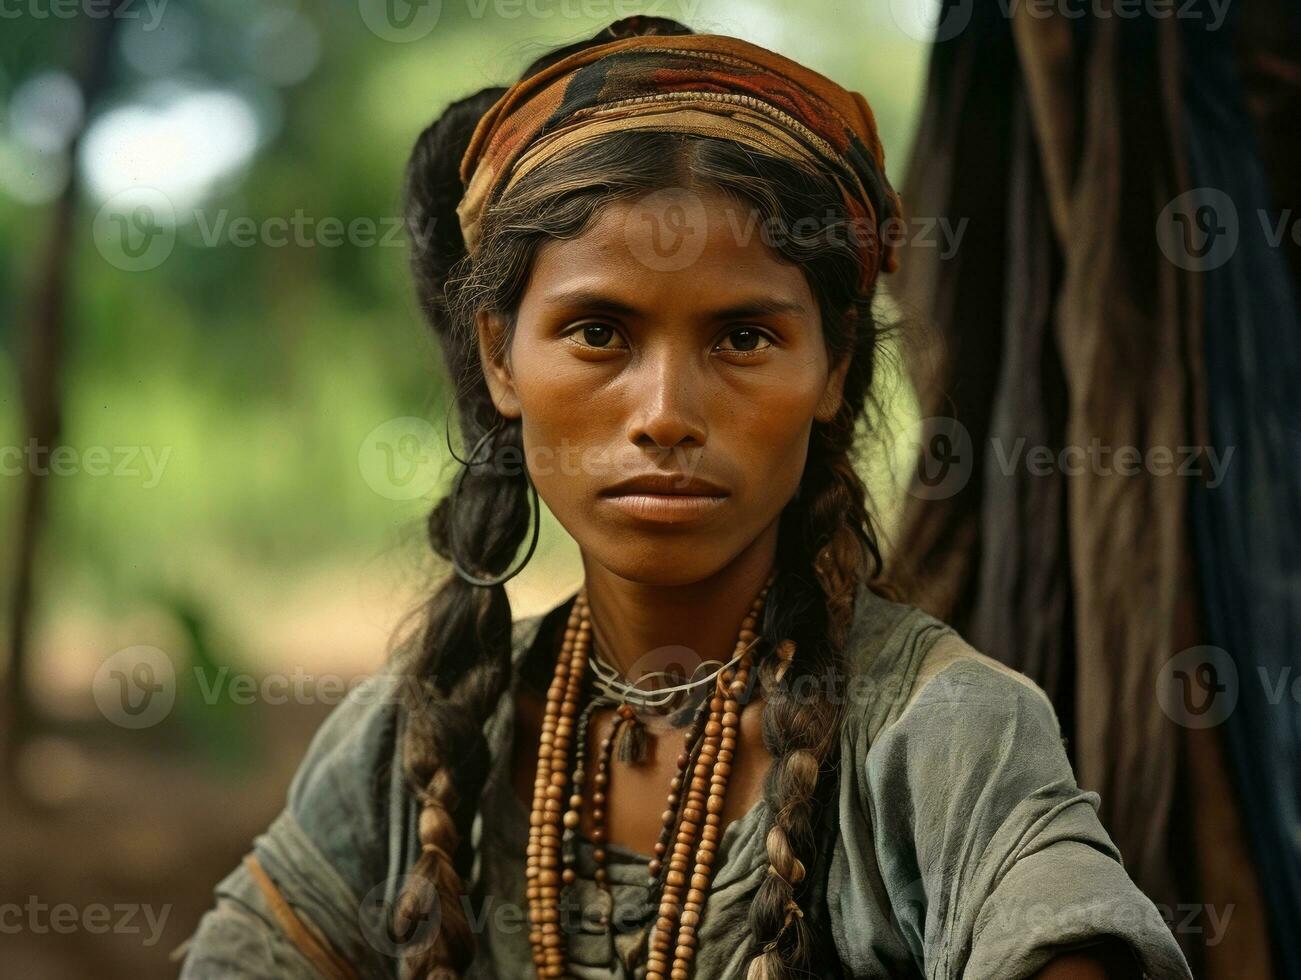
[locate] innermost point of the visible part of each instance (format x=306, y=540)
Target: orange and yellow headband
x=705, y=84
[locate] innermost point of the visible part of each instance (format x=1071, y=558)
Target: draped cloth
x=702, y=84
x=1248, y=528
x=1063, y=322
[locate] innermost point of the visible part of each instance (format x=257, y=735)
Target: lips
x=666, y=498
x=665, y=484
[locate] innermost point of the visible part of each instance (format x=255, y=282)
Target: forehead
x=679, y=246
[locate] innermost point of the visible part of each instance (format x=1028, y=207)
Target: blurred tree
x=44, y=328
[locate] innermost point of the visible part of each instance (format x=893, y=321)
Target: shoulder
x=930, y=716
x=956, y=684
x=907, y=669
x=905, y=663
x=343, y=793
x=356, y=737
x=959, y=714
x=349, y=793
x=328, y=847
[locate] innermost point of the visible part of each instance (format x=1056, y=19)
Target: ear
x=834, y=390
x=495, y=360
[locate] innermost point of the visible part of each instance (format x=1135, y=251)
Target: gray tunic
x=959, y=845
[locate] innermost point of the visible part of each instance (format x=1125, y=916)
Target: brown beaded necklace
x=692, y=823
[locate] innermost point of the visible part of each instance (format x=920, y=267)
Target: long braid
x=445, y=753
x=826, y=546
x=460, y=666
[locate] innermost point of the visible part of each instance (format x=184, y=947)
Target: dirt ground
x=109, y=867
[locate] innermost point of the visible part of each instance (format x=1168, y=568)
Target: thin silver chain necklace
x=610, y=686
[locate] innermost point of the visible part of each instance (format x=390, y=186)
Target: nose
x=668, y=399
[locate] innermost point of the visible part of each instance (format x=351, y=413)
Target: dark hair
x=460, y=664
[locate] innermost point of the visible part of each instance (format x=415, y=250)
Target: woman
x=651, y=265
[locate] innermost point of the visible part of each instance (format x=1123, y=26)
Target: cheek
x=565, y=433
x=787, y=447
x=548, y=388
x=770, y=437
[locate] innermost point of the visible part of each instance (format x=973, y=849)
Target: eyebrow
x=596, y=300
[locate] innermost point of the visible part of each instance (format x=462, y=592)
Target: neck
x=631, y=620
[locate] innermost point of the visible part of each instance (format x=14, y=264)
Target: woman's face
x=666, y=340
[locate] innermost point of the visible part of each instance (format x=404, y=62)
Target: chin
x=657, y=561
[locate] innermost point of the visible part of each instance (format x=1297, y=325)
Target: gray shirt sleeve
x=995, y=860
x=339, y=853
x=328, y=854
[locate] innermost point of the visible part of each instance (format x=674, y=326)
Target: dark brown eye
x=595, y=336
x=598, y=334
x=748, y=340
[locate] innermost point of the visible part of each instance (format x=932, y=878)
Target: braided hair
x=459, y=665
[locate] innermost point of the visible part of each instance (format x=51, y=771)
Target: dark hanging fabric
x=1060, y=323
x=1025, y=599
x=958, y=171
x=1056, y=325
x=1248, y=528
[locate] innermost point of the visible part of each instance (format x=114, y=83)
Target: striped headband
x=706, y=84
